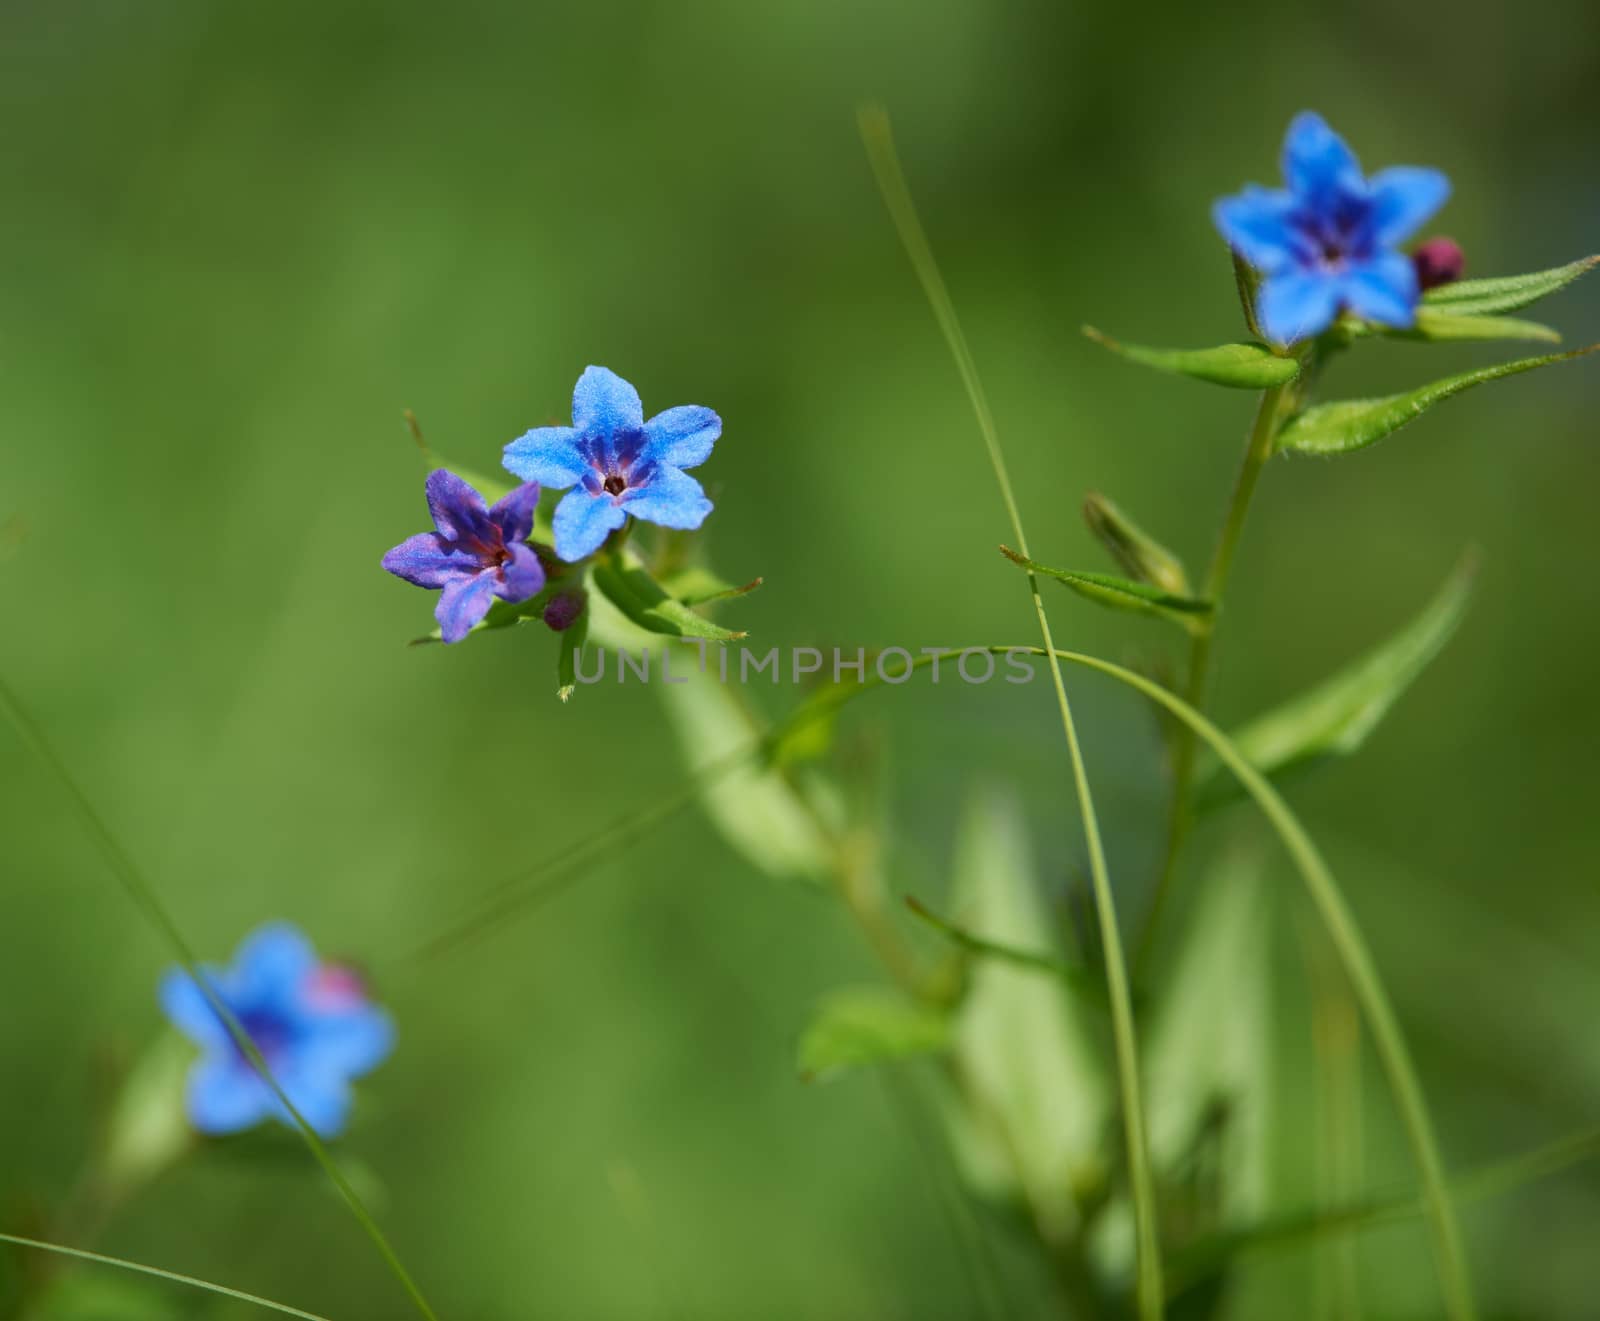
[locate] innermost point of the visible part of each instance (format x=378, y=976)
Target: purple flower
x=476, y=553
x=312, y=1023
x=1327, y=241
x=617, y=463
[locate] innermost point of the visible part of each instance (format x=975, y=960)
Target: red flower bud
x=1438, y=261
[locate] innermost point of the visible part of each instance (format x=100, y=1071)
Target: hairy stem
x=1180, y=816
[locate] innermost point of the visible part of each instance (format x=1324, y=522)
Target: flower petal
x=1297, y=304
x=521, y=576
x=190, y=1012
x=1317, y=165
x=225, y=1095
x=513, y=515
x=604, y=403
x=583, y=521
x=271, y=965
x=463, y=603
x=670, y=498
x=1383, y=289
x=348, y=1044
x=428, y=560
x=458, y=510
x=1257, y=225
x=1403, y=198
x=547, y=454
x=681, y=436
x=323, y=1100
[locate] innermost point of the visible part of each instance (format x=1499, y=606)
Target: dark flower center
x=269, y=1031
x=615, y=484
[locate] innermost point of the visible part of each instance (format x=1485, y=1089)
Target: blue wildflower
x=312, y=1022
x=1327, y=241
x=475, y=555
x=617, y=463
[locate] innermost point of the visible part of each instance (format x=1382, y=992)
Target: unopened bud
x=1438, y=261
x=1140, y=555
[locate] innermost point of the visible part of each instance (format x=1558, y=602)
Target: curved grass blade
x=1342, y=929
x=1506, y=293
x=1336, y=717
x=1241, y=366
x=1352, y=424
x=148, y=902
x=1211, y=1256
x=1118, y=593
x=879, y=142
x=139, y=1268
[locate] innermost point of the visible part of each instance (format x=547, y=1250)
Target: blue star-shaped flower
x=617, y=463
x=1327, y=241
x=474, y=555
x=311, y=1021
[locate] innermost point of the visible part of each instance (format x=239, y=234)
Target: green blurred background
x=238, y=239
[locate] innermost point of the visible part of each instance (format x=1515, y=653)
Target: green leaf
x=1119, y=593
x=1139, y=554
x=868, y=1025
x=1030, y=1064
x=1335, y=718
x=628, y=586
x=1243, y=366
x=1437, y=325
x=1210, y=1043
x=697, y=586
x=763, y=814
x=1505, y=293
x=1352, y=424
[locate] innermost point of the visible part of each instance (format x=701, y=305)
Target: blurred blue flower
x=475, y=555
x=617, y=463
x=311, y=1021
x=1327, y=241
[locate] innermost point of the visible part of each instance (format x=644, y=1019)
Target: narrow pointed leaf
x=1335, y=718
x=1118, y=593
x=1242, y=366
x=1140, y=555
x=628, y=586
x=697, y=586
x=1505, y=293
x=1210, y=1046
x=1030, y=1064
x=1352, y=424
x=1438, y=325
x=869, y=1025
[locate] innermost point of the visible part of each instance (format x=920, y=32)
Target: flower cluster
x=617, y=464
x=1327, y=242
x=311, y=1021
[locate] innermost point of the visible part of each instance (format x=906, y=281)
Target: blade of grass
x=1209, y=1256
x=149, y=903
x=875, y=133
x=189, y=1281
x=1337, y=918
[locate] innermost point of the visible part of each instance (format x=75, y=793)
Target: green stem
x=144, y=897
x=1388, y=1039
x=879, y=142
x=1269, y=415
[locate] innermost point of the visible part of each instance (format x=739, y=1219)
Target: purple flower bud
x=562, y=613
x=1438, y=261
